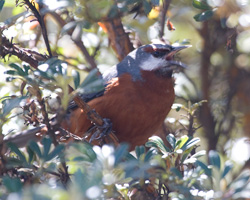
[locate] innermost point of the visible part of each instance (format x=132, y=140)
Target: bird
x=138, y=95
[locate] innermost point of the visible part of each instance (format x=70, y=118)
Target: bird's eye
x=158, y=54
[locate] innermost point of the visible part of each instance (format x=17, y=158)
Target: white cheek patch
x=152, y=63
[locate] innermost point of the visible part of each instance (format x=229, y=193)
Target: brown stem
x=26, y=55
x=119, y=39
x=165, y=7
x=42, y=24
x=207, y=118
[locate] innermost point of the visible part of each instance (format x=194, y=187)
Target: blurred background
x=218, y=62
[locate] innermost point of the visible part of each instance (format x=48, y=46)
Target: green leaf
x=176, y=172
x=56, y=152
x=120, y=153
x=92, y=76
x=171, y=139
x=190, y=143
x=146, y=7
x=31, y=154
x=157, y=142
x=10, y=104
x=181, y=141
x=34, y=147
x=214, y=158
x=139, y=151
x=201, y=4
x=18, y=69
x=46, y=146
x=1, y=4
x=149, y=154
x=76, y=76
x=227, y=168
x=14, y=149
x=12, y=184
x=204, y=16
x=207, y=171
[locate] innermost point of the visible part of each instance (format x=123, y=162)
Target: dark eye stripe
x=159, y=54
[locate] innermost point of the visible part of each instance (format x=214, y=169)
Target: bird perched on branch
x=138, y=95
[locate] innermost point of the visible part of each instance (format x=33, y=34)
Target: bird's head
x=158, y=58
x=154, y=57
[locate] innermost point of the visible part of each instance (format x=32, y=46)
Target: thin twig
x=40, y=19
x=165, y=6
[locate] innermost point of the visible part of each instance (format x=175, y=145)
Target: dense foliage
x=84, y=36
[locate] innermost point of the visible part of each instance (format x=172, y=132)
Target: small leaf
x=190, y=143
x=10, y=104
x=227, y=168
x=56, y=152
x=201, y=4
x=31, y=154
x=18, y=69
x=67, y=27
x=92, y=76
x=171, y=139
x=1, y=4
x=12, y=184
x=46, y=146
x=181, y=141
x=14, y=148
x=149, y=154
x=139, y=151
x=204, y=16
x=207, y=171
x=76, y=76
x=157, y=142
x=214, y=158
x=34, y=147
x=176, y=172
x=120, y=153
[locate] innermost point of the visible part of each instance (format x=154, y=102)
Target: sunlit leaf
x=180, y=142
x=190, y=143
x=157, y=142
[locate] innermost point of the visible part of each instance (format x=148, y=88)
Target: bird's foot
x=100, y=131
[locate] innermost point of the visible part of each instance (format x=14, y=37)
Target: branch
x=26, y=55
x=40, y=19
x=165, y=6
x=119, y=39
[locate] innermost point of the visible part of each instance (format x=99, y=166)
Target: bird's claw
x=101, y=131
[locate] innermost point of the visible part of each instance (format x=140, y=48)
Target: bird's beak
x=175, y=65
x=176, y=49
